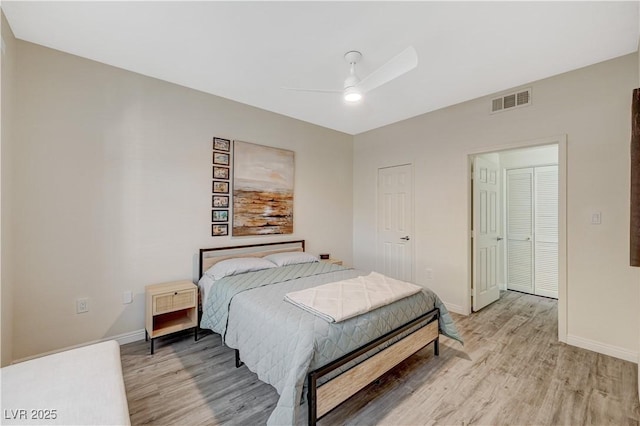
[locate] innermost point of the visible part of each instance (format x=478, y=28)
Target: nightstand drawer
x=169, y=302
x=184, y=299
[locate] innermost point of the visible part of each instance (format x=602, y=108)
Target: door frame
x=561, y=141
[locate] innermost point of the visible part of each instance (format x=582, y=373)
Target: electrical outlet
x=82, y=305
x=127, y=297
x=596, y=218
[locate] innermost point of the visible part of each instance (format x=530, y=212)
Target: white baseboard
x=130, y=337
x=122, y=339
x=603, y=348
x=451, y=307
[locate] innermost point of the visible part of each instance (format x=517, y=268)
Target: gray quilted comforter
x=281, y=343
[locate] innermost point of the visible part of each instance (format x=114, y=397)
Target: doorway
x=543, y=153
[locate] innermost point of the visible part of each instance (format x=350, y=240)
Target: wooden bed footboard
x=329, y=395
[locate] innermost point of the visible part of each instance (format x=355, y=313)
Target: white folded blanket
x=341, y=300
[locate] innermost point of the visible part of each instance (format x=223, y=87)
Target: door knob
x=405, y=238
x=499, y=238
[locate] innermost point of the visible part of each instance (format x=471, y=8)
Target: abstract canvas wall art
x=262, y=190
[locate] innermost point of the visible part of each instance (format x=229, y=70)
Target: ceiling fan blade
x=402, y=63
x=296, y=89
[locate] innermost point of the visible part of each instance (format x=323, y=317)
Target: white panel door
x=395, y=222
x=546, y=231
x=520, y=230
x=486, y=232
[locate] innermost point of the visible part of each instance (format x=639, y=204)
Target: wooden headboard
x=211, y=256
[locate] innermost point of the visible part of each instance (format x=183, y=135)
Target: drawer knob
x=175, y=293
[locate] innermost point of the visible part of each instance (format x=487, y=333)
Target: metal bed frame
x=323, y=398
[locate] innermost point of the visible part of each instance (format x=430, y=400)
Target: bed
x=298, y=353
x=82, y=386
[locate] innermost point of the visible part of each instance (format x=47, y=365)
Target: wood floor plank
x=511, y=370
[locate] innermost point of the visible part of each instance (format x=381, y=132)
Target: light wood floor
x=511, y=371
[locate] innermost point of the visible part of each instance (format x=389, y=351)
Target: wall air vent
x=511, y=100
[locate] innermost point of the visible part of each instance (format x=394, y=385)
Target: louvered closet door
x=520, y=230
x=546, y=231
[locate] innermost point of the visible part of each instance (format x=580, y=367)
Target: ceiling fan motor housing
x=352, y=57
x=351, y=81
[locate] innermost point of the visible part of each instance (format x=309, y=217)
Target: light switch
x=596, y=218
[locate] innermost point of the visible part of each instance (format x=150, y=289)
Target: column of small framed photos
x=220, y=198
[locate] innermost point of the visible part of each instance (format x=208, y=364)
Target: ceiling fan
x=354, y=87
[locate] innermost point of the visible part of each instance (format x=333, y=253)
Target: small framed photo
x=221, y=158
x=220, y=229
x=220, y=216
x=220, y=172
x=220, y=187
x=220, y=201
x=220, y=144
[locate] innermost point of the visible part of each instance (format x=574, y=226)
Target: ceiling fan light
x=352, y=94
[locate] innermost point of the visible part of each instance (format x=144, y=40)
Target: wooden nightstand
x=332, y=260
x=171, y=307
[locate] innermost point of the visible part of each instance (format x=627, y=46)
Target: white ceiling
x=247, y=51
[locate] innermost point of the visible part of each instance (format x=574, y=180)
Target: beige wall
x=590, y=106
x=112, y=191
x=6, y=268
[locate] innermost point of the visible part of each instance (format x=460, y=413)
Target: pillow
x=291, y=258
x=238, y=265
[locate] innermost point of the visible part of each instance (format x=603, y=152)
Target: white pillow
x=238, y=265
x=291, y=258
